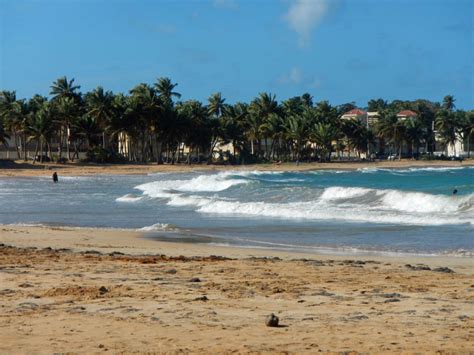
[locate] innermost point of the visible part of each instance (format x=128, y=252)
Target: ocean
x=366, y=211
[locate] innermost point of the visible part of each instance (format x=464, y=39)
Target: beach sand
x=21, y=169
x=92, y=290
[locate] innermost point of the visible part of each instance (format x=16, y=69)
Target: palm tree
x=146, y=108
x=4, y=137
x=165, y=88
x=40, y=129
x=297, y=131
x=216, y=106
x=88, y=130
x=68, y=111
x=323, y=135
x=63, y=88
x=447, y=127
x=467, y=127
x=391, y=130
x=99, y=105
x=261, y=108
x=275, y=130
x=448, y=103
x=377, y=105
x=414, y=134
x=9, y=112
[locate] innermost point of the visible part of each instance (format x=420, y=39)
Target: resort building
x=406, y=115
x=355, y=115
x=372, y=118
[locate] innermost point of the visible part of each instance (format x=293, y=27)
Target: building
x=406, y=115
x=355, y=114
x=372, y=118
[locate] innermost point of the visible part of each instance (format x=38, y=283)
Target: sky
x=337, y=50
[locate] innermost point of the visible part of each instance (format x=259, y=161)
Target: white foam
x=338, y=192
x=356, y=204
x=157, y=227
x=202, y=183
x=424, y=203
x=210, y=183
x=129, y=198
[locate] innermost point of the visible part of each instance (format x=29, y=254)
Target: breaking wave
x=129, y=198
x=355, y=204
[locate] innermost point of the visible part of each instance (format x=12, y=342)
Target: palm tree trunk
x=49, y=150
x=60, y=144
x=68, y=148
x=25, y=154
x=15, y=138
x=36, y=151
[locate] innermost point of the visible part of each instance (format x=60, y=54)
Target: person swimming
x=455, y=191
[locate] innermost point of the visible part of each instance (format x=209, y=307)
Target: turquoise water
x=364, y=211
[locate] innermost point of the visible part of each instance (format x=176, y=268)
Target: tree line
x=156, y=126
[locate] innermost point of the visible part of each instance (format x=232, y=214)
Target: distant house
x=406, y=115
x=369, y=119
x=355, y=114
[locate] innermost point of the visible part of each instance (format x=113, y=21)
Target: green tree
x=165, y=87
x=40, y=129
x=448, y=103
x=99, y=107
x=323, y=135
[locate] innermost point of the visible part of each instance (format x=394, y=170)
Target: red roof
x=407, y=113
x=356, y=111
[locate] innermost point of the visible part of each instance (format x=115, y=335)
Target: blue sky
x=341, y=50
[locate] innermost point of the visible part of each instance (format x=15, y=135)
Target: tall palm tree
x=377, y=105
x=391, y=130
x=297, y=131
x=99, y=106
x=10, y=112
x=323, y=135
x=63, y=87
x=88, y=130
x=165, y=88
x=261, y=109
x=4, y=137
x=414, y=134
x=447, y=127
x=146, y=108
x=41, y=129
x=68, y=111
x=448, y=103
x=467, y=128
x=216, y=106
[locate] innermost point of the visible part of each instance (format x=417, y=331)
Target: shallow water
x=364, y=211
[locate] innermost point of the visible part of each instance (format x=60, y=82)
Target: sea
x=368, y=211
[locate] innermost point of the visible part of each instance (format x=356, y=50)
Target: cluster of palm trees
x=155, y=126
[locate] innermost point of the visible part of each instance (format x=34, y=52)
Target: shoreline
x=315, y=251
x=21, y=169
x=136, y=242
x=66, y=290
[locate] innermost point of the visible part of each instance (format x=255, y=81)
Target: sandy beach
x=21, y=169
x=92, y=290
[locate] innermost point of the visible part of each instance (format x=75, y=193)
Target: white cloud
x=293, y=77
x=304, y=15
x=226, y=4
x=297, y=77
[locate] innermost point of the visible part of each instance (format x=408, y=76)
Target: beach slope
x=86, y=290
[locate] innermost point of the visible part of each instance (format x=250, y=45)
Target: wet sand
x=21, y=169
x=91, y=290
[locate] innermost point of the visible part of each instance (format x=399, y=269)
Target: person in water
x=455, y=191
x=55, y=177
